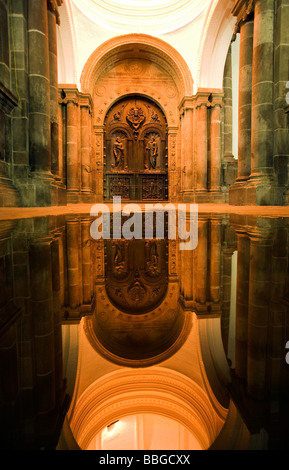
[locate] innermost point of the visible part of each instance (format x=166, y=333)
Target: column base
x=41, y=190
x=80, y=197
x=256, y=193
x=188, y=196
x=9, y=196
x=210, y=197
x=86, y=197
x=238, y=193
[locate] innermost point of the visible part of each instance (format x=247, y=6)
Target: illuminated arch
x=150, y=47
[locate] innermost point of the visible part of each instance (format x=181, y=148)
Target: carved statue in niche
x=118, y=253
x=135, y=118
x=152, y=153
x=119, y=155
x=152, y=262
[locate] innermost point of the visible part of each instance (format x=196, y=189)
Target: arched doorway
x=135, y=151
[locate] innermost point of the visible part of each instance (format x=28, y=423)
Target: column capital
x=242, y=9
x=186, y=104
x=68, y=93
x=202, y=97
x=216, y=99
x=52, y=5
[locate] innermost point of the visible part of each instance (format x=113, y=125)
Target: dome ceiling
x=142, y=16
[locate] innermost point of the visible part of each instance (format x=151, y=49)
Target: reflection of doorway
x=135, y=156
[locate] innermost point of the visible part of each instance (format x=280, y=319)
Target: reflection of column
x=242, y=298
x=87, y=278
x=278, y=308
x=262, y=89
x=258, y=312
x=202, y=261
x=56, y=287
x=73, y=266
x=215, y=261
x=43, y=322
x=226, y=297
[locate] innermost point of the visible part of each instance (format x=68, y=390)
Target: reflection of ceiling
x=143, y=16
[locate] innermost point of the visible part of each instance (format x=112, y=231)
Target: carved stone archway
x=138, y=65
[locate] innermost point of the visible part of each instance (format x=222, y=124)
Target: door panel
x=135, y=151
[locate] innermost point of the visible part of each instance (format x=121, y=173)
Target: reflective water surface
x=97, y=332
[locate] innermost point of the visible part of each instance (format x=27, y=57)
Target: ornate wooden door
x=135, y=151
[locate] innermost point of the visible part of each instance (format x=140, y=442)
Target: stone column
x=245, y=22
x=98, y=169
x=173, y=169
x=261, y=190
x=281, y=138
x=53, y=89
x=73, y=160
x=242, y=299
x=39, y=88
x=245, y=99
x=85, y=149
x=61, y=127
x=215, y=149
x=188, y=149
x=201, y=137
x=228, y=106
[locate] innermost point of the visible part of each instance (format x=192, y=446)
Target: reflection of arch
x=147, y=47
x=159, y=390
x=218, y=31
x=151, y=339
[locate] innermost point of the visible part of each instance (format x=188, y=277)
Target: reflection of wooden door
x=135, y=156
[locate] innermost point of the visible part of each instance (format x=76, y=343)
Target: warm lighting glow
x=142, y=16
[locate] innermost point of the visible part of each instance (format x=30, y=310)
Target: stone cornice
x=70, y=93
x=209, y=97
x=242, y=9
